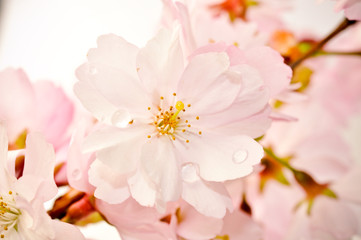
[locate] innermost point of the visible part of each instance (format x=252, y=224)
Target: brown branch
x=345, y=24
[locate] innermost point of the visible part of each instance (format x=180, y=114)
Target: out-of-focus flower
x=190, y=224
x=28, y=107
x=22, y=214
x=41, y=107
x=352, y=8
x=167, y=124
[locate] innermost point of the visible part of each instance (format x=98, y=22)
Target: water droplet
x=240, y=156
x=121, y=118
x=76, y=174
x=190, y=172
x=93, y=70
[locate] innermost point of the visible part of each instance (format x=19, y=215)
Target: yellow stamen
x=179, y=106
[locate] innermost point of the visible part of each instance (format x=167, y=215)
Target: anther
x=187, y=141
x=161, y=98
x=174, y=94
x=197, y=118
x=10, y=192
x=148, y=108
x=183, y=130
x=131, y=122
x=189, y=105
x=200, y=133
x=189, y=125
x=173, y=138
x=149, y=136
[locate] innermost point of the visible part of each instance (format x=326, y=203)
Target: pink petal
x=161, y=166
x=333, y=217
x=135, y=222
x=18, y=105
x=3, y=157
x=54, y=112
x=269, y=63
x=222, y=158
x=210, y=199
x=194, y=225
x=142, y=190
x=160, y=63
x=199, y=76
x=110, y=186
x=238, y=225
x=254, y=126
x=65, y=231
x=94, y=102
x=78, y=164
x=118, y=87
x=348, y=187
x=110, y=53
x=39, y=163
x=124, y=156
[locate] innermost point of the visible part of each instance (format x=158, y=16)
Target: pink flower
x=30, y=107
x=352, y=8
x=190, y=224
x=167, y=125
x=22, y=214
x=135, y=222
x=210, y=21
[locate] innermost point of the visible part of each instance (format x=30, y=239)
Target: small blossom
x=22, y=214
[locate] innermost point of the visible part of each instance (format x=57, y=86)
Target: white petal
x=114, y=52
x=65, y=231
x=197, y=226
x=270, y=65
x=162, y=167
x=94, y=102
x=202, y=71
x=3, y=157
x=210, y=199
x=160, y=62
x=222, y=158
x=117, y=87
x=39, y=163
x=110, y=186
x=142, y=190
x=124, y=156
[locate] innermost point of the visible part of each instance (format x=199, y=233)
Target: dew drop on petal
x=240, y=156
x=121, y=118
x=76, y=174
x=189, y=173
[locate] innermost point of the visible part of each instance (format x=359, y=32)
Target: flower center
x=168, y=122
x=9, y=213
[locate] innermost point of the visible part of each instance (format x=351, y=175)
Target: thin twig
x=345, y=24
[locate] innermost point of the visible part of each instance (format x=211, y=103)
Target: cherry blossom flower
x=166, y=124
x=352, y=8
x=39, y=106
x=22, y=214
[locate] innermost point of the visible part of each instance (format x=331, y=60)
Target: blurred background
x=49, y=39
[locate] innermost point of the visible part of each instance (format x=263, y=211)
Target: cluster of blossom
x=226, y=125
